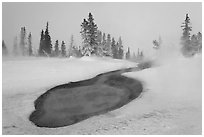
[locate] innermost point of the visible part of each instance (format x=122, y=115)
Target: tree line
x=24, y=47
x=191, y=44
x=97, y=43
x=94, y=43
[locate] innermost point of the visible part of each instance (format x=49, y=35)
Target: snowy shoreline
x=171, y=102
x=126, y=88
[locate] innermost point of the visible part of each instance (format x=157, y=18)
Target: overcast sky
x=137, y=23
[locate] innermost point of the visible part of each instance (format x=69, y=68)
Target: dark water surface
x=73, y=102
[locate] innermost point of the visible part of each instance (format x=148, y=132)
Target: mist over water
x=167, y=53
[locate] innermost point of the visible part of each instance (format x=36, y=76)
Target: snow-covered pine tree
x=138, y=54
x=86, y=48
x=30, y=50
x=194, y=40
x=199, y=38
x=157, y=44
x=120, y=49
x=56, y=51
x=104, y=43
x=15, y=46
x=23, y=41
x=47, y=41
x=92, y=34
x=107, y=50
x=185, y=39
x=127, y=56
x=71, y=47
x=4, y=49
x=104, y=39
x=99, y=42
x=141, y=55
x=121, y=53
x=73, y=50
x=79, y=52
x=63, y=49
x=89, y=36
x=42, y=45
x=99, y=37
x=114, y=49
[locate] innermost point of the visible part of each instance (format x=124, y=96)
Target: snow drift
x=170, y=104
x=175, y=87
x=25, y=79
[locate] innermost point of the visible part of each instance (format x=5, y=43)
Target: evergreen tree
x=138, y=53
x=56, y=52
x=86, y=49
x=92, y=34
x=194, y=40
x=99, y=37
x=15, y=47
x=185, y=39
x=120, y=53
x=78, y=52
x=157, y=43
x=42, y=45
x=63, y=49
x=4, y=49
x=196, y=43
x=104, y=42
x=104, y=39
x=141, y=55
x=99, y=43
x=114, y=49
x=23, y=41
x=128, y=54
x=120, y=42
x=107, y=50
x=73, y=50
x=120, y=49
x=89, y=36
x=71, y=47
x=199, y=38
x=30, y=51
x=47, y=41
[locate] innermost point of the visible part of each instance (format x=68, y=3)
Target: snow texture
x=170, y=104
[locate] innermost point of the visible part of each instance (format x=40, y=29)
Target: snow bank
x=25, y=79
x=170, y=104
x=175, y=87
x=30, y=74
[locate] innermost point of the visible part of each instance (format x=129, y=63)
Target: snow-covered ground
x=25, y=79
x=172, y=98
x=170, y=104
